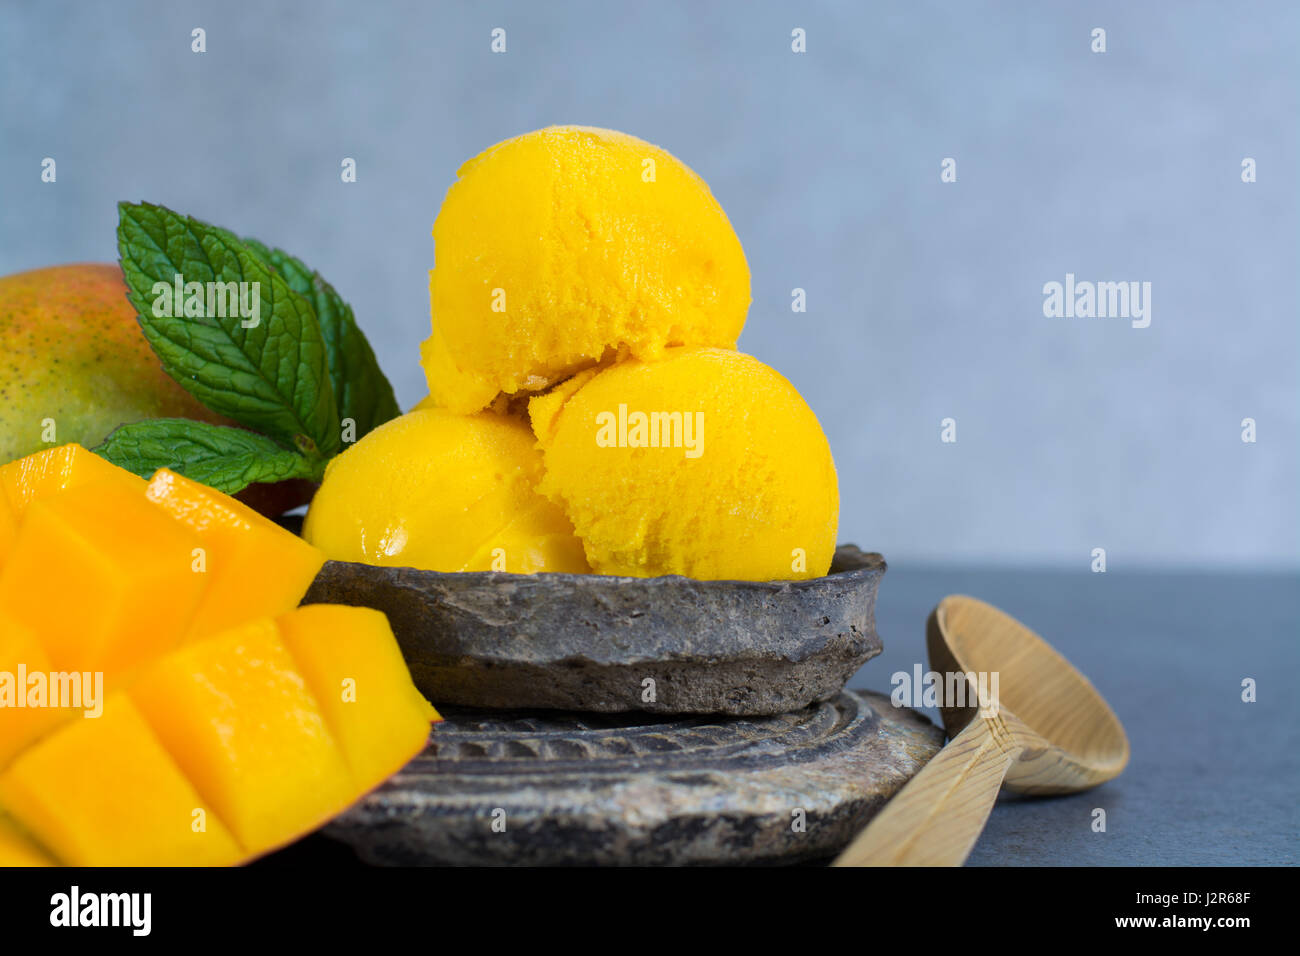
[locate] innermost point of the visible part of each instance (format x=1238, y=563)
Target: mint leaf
x=274, y=377
x=224, y=458
x=361, y=390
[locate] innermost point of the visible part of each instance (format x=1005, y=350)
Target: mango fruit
x=72, y=356
x=225, y=721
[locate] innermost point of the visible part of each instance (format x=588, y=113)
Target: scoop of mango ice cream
x=444, y=492
x=569, y=246
x=707, y=463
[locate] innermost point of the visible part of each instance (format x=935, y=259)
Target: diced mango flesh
x=354, y=668
x=105, y=579
x=237, y=716
x=104, y=790
x=54, y=470
x=221, y=751
x=47, y=473
x=232, y=724
x=26, y=707
x=239, y=546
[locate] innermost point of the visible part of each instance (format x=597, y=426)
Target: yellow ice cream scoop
x=707, y=463
x=444, y=492
x=569, y=245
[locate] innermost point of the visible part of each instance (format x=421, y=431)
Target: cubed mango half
x=232, y=725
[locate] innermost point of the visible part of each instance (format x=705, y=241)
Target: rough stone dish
x=546, y=789
x=589, y=642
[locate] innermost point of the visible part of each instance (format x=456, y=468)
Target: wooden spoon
x=1049, y=731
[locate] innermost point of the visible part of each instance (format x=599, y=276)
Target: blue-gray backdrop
x=924, y=297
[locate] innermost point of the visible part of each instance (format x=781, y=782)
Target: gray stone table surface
x=1213, y=781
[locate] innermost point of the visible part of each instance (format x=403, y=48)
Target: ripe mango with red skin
x=73, y=356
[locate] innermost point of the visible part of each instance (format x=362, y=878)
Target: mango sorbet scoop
x=443, y=492
x=568, y=246
x=163, y=699
x=706, y=463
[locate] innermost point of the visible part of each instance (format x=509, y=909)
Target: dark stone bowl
x=589, y=642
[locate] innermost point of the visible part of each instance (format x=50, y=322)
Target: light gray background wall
x=924, y=298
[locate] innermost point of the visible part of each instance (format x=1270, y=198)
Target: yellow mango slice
x=103, y=577
x=254, y=567
x=103, y=791
x=355, y=670
x=58, y=469
x=17, y=849
x=236, y=715
x=21, y=655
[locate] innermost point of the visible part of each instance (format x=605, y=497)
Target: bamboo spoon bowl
x=1019, y=714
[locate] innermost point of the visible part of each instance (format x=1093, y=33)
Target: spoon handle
x=937, y=817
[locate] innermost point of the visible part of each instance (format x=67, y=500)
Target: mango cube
x=23, y=717
x=104, y=578
x=254, y=567
x=237, y=716
x=58, y=469
x=104, y=790
x=355, y=670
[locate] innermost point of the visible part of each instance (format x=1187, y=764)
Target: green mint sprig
x=362, y=392
x=293, y=377
x=228, y=459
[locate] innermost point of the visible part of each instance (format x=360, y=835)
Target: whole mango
x=74, y=363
